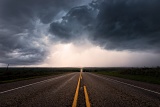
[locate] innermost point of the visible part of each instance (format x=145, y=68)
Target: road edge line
x=131, y=85
x=43, y=81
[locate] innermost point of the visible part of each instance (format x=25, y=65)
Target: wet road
x=79, y=89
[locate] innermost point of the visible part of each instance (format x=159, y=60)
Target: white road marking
x=61, y=86
x=106, y=78
x=44, y=81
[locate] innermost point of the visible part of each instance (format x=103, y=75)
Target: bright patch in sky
x=88, y=55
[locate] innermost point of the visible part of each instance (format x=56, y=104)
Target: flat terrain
x=59, y=91
x=21, y=73
x=145, y=74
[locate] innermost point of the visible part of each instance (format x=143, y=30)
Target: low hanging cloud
x=114, y=24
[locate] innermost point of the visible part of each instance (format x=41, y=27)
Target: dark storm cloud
x=119, y=24
x=24, y=10
x=112, y=24
x=129, y=24
x=77, y=22
x=20, y=41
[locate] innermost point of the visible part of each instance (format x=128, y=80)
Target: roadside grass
x=18, y=74
x=149, y=75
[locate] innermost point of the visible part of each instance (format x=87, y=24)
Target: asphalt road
x=79, y=89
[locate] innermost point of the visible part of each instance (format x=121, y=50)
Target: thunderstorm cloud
x=23, y=28
x=27, y=27
x=114, y=24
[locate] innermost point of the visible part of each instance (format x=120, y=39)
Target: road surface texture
x=79, y=89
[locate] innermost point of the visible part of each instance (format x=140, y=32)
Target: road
x=79, y=89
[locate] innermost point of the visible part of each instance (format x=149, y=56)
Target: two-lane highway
x=80, y=89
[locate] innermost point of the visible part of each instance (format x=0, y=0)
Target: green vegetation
x=16, y=74
x=150, y=75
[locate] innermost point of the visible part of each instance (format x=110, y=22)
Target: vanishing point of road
x=79, y=89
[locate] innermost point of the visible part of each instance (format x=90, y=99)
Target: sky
x=80, y=33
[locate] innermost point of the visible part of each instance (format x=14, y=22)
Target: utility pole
x=7, y=67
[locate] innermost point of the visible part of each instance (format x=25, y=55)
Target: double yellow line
x=77, y=91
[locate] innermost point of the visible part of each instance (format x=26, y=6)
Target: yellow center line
x=76, y=94
x=77, y=91
x=86, y=97
x=81, y=75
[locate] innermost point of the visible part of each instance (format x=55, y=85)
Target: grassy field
x=16, y=74
x=150, y=75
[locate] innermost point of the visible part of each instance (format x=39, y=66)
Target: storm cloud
x=23, y=28
x=79, y=21
x=129, y=24
x=27, y=27
x=114, y=24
